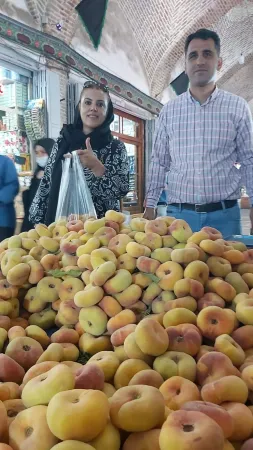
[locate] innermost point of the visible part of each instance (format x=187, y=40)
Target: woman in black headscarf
x=42, y=149
x=103, y=158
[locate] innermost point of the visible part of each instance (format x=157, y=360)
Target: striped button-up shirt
x=198, y=146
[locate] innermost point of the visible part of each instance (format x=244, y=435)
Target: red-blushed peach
x=184, y=255
x=177, y=390
x=147, y=265
x=248, y=445
x=213, y=233
x=187, y=286
x=65, y=335
x=107, y=361
x=147, y=377
x=137, y=408
x=5, y=322
x=25, y=351
x=13, y=407
x=148, y=440
x=10, y=370
x=222, y=288
x=184, y=338
x=191, y=430
x=127, y=370
x=123, y=318
x=183, y=302
x=91, y=344
x=215, y=412
x=180, y=230
x=244, y=336
x=213, y=366
x=243, y=420
x=151, y=337
x=30, y=428
x=169, y=273
x=171, y=364
x=119, y=336
x=214, y=321
x=227, y=345
x=227, y=389
x=210, y=299
x=90, y=376
x=90, y=408
x=197, y=270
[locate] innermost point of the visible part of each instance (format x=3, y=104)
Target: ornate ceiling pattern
x=160, y=27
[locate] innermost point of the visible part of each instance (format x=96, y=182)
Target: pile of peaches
x=120, y=335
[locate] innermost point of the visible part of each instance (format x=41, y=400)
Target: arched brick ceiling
x=160, y=28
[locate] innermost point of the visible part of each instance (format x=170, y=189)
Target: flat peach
x=226, y=344
x=127, y=370
x=147, y=377
x=136, y=441
x=129, y=410
x=177, y=390
x=243, y=420
x=184, y=338
x=191, y=430
x=215, y=412
x=151, y=338
x=214, y=321
x=214, y=366
x=210, y=299
x=227, y=389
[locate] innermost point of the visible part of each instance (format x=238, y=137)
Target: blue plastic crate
x=247, y=240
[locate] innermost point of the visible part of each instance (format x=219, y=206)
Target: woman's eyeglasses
x=92, y=84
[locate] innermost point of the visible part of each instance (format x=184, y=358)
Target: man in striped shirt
x=199, y=138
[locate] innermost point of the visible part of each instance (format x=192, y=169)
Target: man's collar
x=212, y=97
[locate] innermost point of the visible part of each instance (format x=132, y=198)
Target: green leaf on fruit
x=152, y=277
x=58, y=273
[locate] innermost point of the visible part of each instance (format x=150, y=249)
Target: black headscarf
x=73, y=138
x=47, y=144
x=30, y=193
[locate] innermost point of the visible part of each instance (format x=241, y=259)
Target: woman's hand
x=88, y=159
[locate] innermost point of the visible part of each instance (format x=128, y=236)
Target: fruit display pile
x=125, y=336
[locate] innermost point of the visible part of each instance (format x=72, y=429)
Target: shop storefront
x=15, y=92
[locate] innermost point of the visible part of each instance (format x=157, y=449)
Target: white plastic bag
x=74, y=200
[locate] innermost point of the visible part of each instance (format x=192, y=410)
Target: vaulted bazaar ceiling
x=158, y=29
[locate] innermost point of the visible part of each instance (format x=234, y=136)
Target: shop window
x=130, y=130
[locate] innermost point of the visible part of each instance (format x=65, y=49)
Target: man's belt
x=209, y=207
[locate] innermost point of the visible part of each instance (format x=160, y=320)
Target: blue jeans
x=227, y=221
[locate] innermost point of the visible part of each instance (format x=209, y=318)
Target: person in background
x=42, y=149
x=104, y=159
x=9, y=187
x=200, y=136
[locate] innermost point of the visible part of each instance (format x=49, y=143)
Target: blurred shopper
x=9, y=187
x=42, y=149
x=199, y=137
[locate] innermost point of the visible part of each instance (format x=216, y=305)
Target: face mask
x=42, y=161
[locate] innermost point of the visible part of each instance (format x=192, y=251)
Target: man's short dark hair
x=203, y=34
